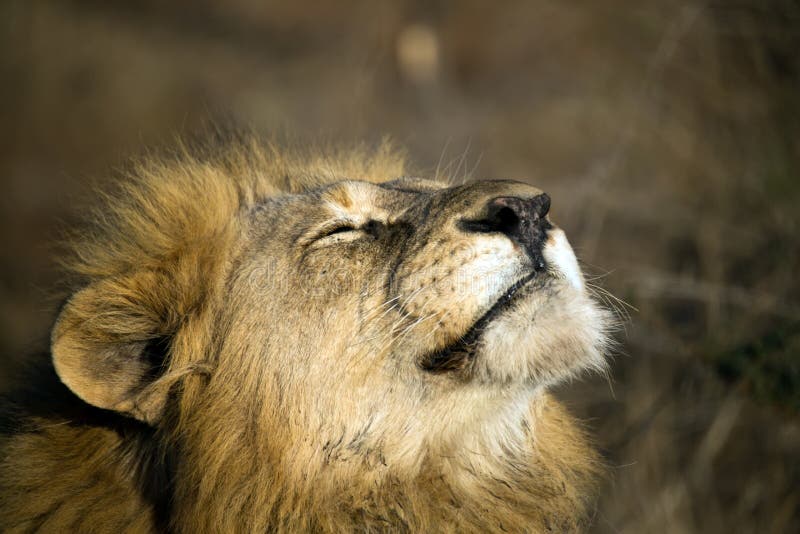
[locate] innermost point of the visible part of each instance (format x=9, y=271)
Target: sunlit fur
x=292, y=397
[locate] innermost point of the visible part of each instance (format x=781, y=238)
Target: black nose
x=521, y=219
x=510, y=215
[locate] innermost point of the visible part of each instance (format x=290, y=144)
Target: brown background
x=666, y=133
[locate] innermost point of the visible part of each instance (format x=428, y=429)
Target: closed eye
x=334, y=232
x=339, y=230
x=342, y=231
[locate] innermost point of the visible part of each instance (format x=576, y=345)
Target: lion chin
x=262, y=339
x=550, y=332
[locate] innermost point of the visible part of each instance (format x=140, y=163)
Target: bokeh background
x=667, y=132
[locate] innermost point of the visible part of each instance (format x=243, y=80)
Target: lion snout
x=521, y=218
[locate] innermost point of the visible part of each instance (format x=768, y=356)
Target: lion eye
x=339, y=230
x=345, y=231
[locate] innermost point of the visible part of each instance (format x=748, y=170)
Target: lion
x=262, y=339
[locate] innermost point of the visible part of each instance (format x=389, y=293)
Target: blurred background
x=668, y=134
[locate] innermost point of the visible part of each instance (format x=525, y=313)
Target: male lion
x=271, y=342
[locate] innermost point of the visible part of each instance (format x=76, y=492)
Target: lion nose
x=512, y=214
x=523, y=220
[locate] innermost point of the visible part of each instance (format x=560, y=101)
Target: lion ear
x=109, y=348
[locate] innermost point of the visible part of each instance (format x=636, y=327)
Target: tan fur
x=292, y=395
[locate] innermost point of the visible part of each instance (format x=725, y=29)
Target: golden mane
x=152, y=212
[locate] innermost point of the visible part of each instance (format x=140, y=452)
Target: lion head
x=325, y=341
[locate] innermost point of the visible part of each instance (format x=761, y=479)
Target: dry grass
x=666, y=132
